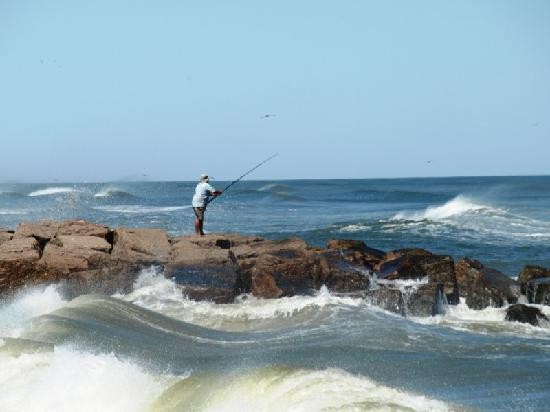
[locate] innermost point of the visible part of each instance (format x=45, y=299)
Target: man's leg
x=198, y=225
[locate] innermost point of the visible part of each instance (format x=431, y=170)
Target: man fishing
x=205, y=193
x=201, y=198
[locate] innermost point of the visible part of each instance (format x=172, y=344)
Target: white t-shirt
x=202, y=191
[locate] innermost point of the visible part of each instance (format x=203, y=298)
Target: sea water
x=153, y=350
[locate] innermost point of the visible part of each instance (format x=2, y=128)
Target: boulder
x=343, y=271
x=389, y=299
x=525, y=314
x=82, y=228
x=483, y=287
x=420, y=264
x=23, y=249
x=43, y=231
x=18, y=263
x=371, y=257
x=5, y=235
x=205, y=271
x=67, y=254
x=141, y=245
x=283, y=268
x=534, y=282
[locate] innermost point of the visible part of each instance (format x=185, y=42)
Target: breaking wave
x=52, y=191
x=454, y=207
x=112, y=192
x=140, y=209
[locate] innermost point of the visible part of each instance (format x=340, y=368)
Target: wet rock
x=483, y=287
x=534, y=282
x=386, y=298
x=525, y=314
x=205, y=271
x=343, y=271
x=371, y=257
x=418, y=264
x=141, y=245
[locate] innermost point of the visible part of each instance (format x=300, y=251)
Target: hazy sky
x=105, y=89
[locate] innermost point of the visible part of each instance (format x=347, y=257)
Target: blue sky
x=104, y=90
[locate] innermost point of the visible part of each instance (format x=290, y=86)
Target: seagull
x=265, y=116
x=428, y=161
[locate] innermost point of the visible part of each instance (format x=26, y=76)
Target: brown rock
x=370, y=256
x=5, y=235
x=343, y=272
x=483, y=287
x=23, y=249
x=82, y=228
x=534, y=282
x=66, y=254
x=205, y=271
x=387, y=298
x=141, y=245
x=525, y=314
x=43, y=231
x=18, y=258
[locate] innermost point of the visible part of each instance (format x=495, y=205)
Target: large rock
x=141, y=245
x=419, y=264
x=18, y=263
x=205, y=268
x=83, y=228
x=483, y=287
x=370, y=257
x=344, y=271
x=5, y=235
x=67, y=254
x=525, y=314
x=534, y=282
x=43, y=231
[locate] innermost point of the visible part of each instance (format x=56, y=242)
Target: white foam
x=13, y=211
x=137, y=209
x=284, y=389
x=111, y=191
x=488, y=321
x=52, y=191
x=153, y=291
x=68, y=380
x=457, y=206
x=354, y=228
x=27, y=304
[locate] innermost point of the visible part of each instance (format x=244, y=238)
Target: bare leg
x=198, y=226
x=201, y=223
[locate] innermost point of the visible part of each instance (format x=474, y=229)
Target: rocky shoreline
x=88, y=257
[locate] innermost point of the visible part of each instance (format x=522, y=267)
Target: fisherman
x=201, y=198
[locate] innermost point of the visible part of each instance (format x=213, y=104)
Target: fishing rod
x=242, y=176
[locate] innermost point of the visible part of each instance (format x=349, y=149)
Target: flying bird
x=265, y=116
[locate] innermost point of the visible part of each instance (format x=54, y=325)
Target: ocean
x=153, y=350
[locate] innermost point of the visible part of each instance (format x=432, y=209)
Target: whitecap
x=52, y=191
x=454, y=207
x=137, y=209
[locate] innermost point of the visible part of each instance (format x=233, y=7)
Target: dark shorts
x=199, y=212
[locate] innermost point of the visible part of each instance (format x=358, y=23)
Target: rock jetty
x=87, y=257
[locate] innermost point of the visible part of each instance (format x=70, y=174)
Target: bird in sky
x=265, y=116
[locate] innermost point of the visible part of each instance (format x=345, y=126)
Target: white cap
x=203, y=177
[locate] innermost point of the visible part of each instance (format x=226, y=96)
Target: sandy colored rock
x=24, y=249
x=82, y=228
x=5, y=235
x=68, y=254
x=141, y=245
x=43, y=230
